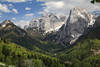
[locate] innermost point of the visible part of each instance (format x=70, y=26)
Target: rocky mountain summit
x=67, y=30
x=78, y=23
x=8, y=26
x=46, y=23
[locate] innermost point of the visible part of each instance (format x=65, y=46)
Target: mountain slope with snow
x=46, y=23
x=77, y=24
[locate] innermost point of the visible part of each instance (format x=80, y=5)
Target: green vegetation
x=32, y=41
x=85, y=53
x=19, y=49
x=12, y=54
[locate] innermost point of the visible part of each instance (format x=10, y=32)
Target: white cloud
x=64, y=6
x=27, y=8
x=59, y=4
x=4, y=8
x=22, y=23
x=30, y=14
x=10, y=5
x=15, y=11
x=13, y=18
x=15, y=1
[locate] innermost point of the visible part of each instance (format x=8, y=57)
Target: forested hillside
x=17, y=56
x=85, y=53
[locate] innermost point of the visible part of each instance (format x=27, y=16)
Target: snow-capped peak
x=83, y=14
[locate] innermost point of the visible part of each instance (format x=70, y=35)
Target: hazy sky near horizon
x=22, y=11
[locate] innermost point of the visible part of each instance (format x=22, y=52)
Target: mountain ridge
x=19, y=36
x=46, y=23
x=56, y=49
x=78, y=23
x=9, y=31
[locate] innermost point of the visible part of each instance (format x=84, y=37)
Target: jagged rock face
x=78, y=23
x=46, y=23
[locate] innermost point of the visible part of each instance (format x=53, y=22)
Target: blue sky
x=21, y=12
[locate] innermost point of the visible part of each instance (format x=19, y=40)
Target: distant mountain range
x=10, y=32
x=78, y=24
x=52, y=41
x=66, y=31
x=46, y=23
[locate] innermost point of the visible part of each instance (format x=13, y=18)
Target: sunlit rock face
x=47, y=23
x=77, y=24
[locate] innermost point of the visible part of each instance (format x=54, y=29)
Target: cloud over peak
x=4, y=8
x=58, y=4
x=64, y=6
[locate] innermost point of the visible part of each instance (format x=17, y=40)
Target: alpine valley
x=52, y=41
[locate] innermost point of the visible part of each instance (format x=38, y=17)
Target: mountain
x=78, y=23
x=81, y=27
x=12, y=33
x=86, y=51
x=46, y=23
x=9, y=31
x=7, y=26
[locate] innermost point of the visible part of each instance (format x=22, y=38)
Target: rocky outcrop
x=77, y=24
x=46, y=23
